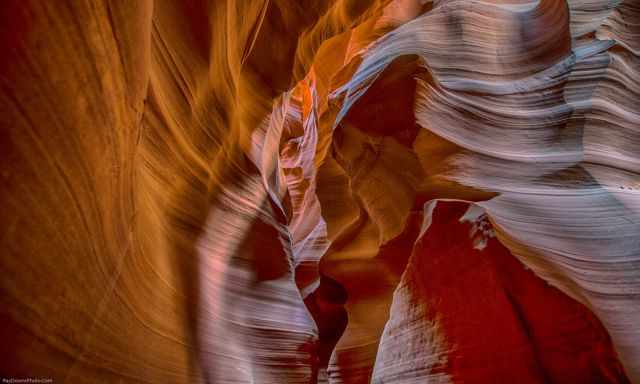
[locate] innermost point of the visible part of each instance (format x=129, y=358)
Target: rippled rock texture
x=341, y=191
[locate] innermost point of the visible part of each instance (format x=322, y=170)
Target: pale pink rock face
x=328, y=191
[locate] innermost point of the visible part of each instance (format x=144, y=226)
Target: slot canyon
x=320, y=191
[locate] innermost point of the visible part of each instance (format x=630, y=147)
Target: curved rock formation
x=341, y=191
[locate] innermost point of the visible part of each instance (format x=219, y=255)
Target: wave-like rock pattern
x=339, y=191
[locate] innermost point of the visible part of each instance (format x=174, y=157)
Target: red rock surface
x=530, y=331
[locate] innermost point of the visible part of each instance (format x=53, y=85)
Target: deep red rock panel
x=499, y=322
